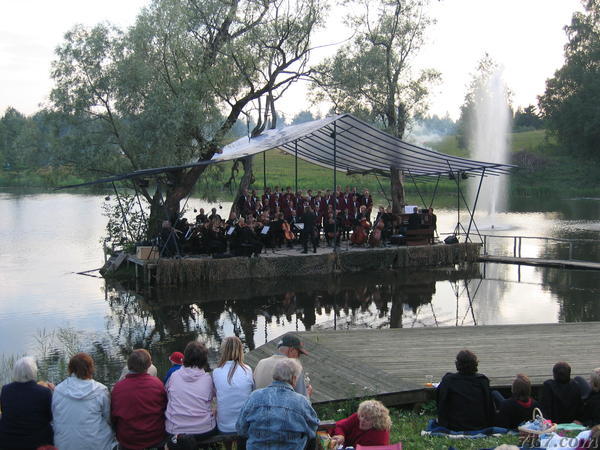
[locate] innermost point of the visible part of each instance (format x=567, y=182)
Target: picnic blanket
x=434, y=429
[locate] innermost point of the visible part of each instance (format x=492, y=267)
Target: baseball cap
x=176, y=358
x=292, y=341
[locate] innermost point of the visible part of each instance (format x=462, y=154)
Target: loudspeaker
x=451, y=240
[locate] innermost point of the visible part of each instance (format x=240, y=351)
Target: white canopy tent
x=348, y=144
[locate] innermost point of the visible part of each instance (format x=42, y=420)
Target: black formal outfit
x=309, y=219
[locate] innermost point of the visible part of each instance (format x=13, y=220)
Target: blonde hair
x=595, y=379
x=232, y=350
x=377, y=413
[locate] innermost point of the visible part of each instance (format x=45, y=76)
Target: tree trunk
x=397, y=184
x=245, y=182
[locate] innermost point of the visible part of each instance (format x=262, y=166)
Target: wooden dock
x=392, y=364
x=559, y=263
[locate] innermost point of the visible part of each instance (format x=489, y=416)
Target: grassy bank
x=408, y=424
x=544, y=169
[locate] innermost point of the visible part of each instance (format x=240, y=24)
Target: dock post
x=515, y=246
x=485, y=244
x=520, y=240
x=570, y=251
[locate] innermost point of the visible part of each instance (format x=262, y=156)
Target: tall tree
x=372, y=76
x=169, y=90
x=571, y=102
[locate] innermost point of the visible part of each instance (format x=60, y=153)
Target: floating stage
x=285, y=263
x=391, y=364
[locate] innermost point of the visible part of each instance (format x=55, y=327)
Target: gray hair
x=286, y=369
x=24, y=370
x=595, y=379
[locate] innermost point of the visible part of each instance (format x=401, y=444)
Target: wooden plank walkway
x=391, y=364
x=560, y=263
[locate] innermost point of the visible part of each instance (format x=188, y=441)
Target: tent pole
x=435, y=191
x=417, y=188
x=334, y=186
x=475, y=203
x=296, y=163
x=264, y=171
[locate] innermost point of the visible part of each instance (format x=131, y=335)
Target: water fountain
x=489, y=140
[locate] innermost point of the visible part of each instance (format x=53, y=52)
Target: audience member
x=81, y=409
x=176, y=360
x=591, y=405
x=561, y=396
x=233, y=384
x=138, y=406
x=288, y=347
x=519, y=407
x=276, y=416
x=26, y=409
x=190, y=391
x=370, y=425
x=464, y=400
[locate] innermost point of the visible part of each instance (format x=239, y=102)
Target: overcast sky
x=525, y=36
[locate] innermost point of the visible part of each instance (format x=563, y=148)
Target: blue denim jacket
x=277, y=418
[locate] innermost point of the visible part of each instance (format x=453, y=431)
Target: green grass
x=408, y=424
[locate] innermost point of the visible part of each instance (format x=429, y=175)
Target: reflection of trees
x=164, y=320
x=576, y=290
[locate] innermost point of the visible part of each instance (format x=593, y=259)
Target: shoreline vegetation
x=544, y=169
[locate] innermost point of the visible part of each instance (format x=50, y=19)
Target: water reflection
x=165, y=319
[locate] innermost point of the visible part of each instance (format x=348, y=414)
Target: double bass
x=361, y=232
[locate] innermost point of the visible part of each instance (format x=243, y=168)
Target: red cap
x=176, y=358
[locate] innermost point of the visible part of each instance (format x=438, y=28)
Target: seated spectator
x=561, y=396
x=190, y=391
x=591, y=405
x=176, y=359
x=464, y=400
x=276, y=416
x=370, y=425
x=138, y=405
x=26, y=409
x=517, y=409
x=233, y=383
x=81, y=409
x=289, y=346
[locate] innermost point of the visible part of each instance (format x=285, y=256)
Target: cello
x=375, y=237
x=361, y=232
x=287, y=232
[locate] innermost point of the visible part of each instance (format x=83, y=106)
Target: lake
x=48, y=309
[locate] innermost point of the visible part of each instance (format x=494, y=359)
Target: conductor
x=309, y=218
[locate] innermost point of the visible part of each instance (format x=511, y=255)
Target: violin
x=287, y=232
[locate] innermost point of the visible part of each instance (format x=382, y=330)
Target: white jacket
x=231, y=397
x=81, y=412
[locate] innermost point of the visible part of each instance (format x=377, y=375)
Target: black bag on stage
x=451, y=240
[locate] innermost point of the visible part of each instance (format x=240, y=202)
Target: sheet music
x=265, y=229
x=230, y=231
x=300, y=226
